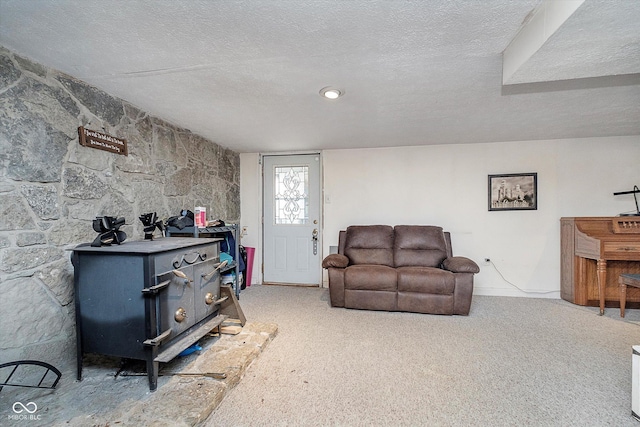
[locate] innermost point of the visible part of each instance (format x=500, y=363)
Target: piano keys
x=594, y=252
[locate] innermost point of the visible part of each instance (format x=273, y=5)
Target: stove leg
x=152, y=373
x=79, y=366
x=79, y=361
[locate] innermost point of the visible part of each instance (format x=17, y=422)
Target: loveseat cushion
x=419, y=245
x=370, y=277
x=426, y=303
x=369, y=244
x=427, y=280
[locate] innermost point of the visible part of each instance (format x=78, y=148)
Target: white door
x=292, y=246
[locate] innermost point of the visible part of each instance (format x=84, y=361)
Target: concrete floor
x=103, y=398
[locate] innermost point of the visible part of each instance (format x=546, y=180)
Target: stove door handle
x=221, y=300
x=154, y=289
x=158, y=340
x=185, y=279
x=210, y=274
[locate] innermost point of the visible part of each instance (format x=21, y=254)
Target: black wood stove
x=146, y=300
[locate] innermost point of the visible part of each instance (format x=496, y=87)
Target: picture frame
x=513, y=192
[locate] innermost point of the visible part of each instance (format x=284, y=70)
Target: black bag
x=185, y=219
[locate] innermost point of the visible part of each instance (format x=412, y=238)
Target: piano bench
x=624, y=281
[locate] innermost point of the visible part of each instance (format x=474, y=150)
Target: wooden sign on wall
x=102, y=141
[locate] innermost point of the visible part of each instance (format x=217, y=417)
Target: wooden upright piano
x=594, y=252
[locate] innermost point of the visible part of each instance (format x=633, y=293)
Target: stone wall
x=51, y=188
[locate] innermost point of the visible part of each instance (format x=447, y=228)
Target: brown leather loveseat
x=401, y=268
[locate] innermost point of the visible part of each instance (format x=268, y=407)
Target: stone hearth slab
x=104, y=399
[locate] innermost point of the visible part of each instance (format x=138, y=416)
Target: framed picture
x=513, y=192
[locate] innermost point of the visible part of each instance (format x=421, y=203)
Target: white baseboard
x=504, y=292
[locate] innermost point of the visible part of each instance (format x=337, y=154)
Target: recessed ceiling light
x=331, y=92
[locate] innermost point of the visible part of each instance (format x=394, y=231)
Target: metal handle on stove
x=210, y=299
x=193, y=258
x=158, y=340
x=183, y=276
x=180, y=314
x=156, y=288
x=211, y=273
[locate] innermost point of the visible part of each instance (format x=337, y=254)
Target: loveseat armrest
x=335, y=261
x=459, y=264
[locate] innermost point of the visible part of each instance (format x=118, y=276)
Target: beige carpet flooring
x=511, y=362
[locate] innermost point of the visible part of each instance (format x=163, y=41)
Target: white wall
x=446, y=185
x=251, y=208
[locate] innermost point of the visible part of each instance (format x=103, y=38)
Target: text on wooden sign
x=102, y=141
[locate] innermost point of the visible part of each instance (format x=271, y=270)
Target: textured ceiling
x=246, y=74
x=602, y=38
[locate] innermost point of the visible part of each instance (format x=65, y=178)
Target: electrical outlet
x=244, y=231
